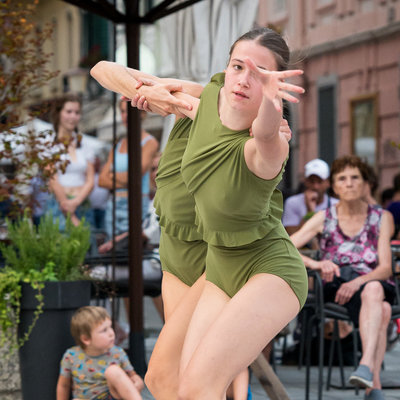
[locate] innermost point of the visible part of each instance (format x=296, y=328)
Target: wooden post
x=268, y=379
x=136, y=336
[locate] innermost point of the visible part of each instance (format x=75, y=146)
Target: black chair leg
x=330, y=362
x=340, y=355
x=308, y=356
x=303, y=335
x=321, y=359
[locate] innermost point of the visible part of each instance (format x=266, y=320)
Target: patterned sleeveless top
x=361, y=251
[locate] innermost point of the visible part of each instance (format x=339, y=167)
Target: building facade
x=79, y=40
x=350, y=53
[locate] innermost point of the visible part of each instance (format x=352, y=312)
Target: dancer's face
x=242, y=89
x=70, y=115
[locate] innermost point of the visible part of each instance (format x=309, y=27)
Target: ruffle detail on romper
x=188, y=233
x=238, y=238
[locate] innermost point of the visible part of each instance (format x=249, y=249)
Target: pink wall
x=355, y=41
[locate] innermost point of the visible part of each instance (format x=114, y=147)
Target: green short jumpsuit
x=182, y=251
x=237, y=213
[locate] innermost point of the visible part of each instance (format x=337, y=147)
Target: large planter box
x=40, y=356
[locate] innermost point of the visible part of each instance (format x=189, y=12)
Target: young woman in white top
x=71, y=188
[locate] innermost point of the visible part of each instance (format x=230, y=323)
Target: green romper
x=238, y=213
x=182, y=251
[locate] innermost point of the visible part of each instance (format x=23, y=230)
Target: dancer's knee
x=159, y=378
x=187, y=389
x=151, y=379
x=193, y=386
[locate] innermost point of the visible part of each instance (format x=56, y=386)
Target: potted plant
x=42, y=284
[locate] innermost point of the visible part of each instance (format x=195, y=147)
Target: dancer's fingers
x=289, y=73
x=251, y=64
x=284, y=123
x=289, y=87
x=140, y=103
x=277, y=104
x=288, y=97
x=139, y=84
x=181, y=104
x=146, y=81
x=284, y=127
x=135, y=100
x=174, y=87
x=146, y=106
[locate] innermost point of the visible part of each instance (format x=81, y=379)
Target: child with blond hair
x=95, y=368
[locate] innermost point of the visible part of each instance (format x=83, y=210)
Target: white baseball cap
x=317, y=167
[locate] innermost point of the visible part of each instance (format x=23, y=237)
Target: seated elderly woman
x=355, y=265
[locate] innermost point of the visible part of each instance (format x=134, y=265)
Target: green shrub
x=32, y=248
x=36, y=255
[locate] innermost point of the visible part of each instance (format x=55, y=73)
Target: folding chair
x=323, y=312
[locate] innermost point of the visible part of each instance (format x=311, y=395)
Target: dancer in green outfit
x=182, y=251
x=235, y=318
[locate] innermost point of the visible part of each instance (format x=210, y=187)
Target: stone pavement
x=292, y=378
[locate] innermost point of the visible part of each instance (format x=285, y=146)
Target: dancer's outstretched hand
x=274, y=86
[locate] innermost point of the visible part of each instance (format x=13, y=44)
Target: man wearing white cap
x=300, y=207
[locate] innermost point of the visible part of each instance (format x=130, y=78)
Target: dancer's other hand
x=158, y=98
x=274, y=86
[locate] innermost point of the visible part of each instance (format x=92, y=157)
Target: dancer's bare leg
x=179, y=303
x=238, y=389
x=225, y=336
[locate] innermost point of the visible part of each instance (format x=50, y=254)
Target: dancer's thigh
x=239, y=331
x=173, y=290
x=211, y=303
x=169, y=344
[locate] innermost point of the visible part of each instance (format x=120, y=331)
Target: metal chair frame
x=396, y=276
x=322, y=312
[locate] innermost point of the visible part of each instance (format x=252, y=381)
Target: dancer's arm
x=124, y=80
x=269, y=149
